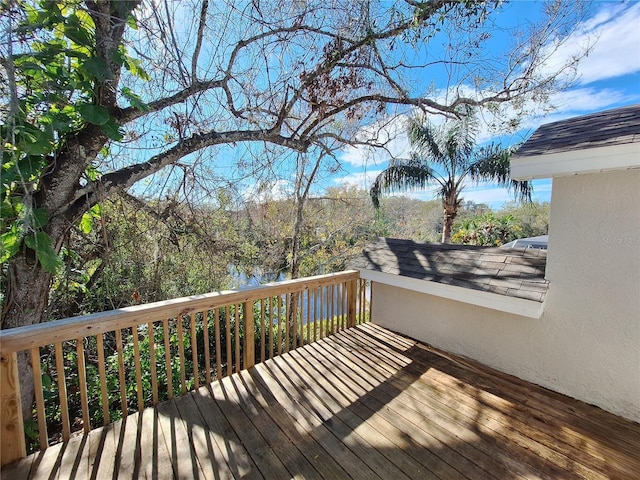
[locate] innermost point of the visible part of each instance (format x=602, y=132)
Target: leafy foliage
x=55, y=73
x=489, y=230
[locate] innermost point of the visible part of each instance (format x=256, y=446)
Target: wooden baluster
x=300, y=317
x=370, y=309
x=167, y=357
x=205, y=334
x=62, y=392
x=82, y=380
x=262, y=332
x=183, y=373
x=316, y=292
x=321, y=313
x=271, y=327
x=216, y=331
x=359, y=301
x=352, y=298
x=237, y=336
x=121, y=377
x=279, y=325
x=103, y=379
x=37, y=383
x=152, y=362
x=340, y=305
x=294, y=319
x=12, y=443
x=327, y=300
x=364, y=301
x=285, y=311
x=336, y=300
x=309, y=296
x=194, y=350
x=136, y=360
x=345, y=305
x=341, y=319
x=332, y=314
x=229, y=351
x=249, y=335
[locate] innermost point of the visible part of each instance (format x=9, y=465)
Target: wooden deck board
x=363, y=404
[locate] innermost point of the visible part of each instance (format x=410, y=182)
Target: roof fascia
x=516, y=306
x=572, y=162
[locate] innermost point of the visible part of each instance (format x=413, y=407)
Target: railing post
x=352, y=295
x=12, y=445
x=249, y=334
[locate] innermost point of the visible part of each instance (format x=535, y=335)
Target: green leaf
x=10, y=242
x=40, y=217
x=77, y=35
x=95, y=114
x=61, y=122
x=134, y=99
x=92, y=173
x=29, y=167
x=97, y=68
x=46, y=381
x=86, y=223
x=132, y=22
x=113, y=130
x=135, y=67
x=41, y=243
x=96, y=211
x=38, y=146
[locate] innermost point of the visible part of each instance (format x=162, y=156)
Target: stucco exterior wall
x=587, y=342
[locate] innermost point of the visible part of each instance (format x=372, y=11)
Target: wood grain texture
x=40, y=411
x=62, y=392
x=12, y=445
x=249, y=335
x=25, y=338
x=363, y=403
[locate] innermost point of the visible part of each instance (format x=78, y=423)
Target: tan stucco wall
x=587, y=342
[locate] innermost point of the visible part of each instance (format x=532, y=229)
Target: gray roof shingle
x=513, y=272
x=611, y=127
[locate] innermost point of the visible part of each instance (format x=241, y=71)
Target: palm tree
x=446, y=156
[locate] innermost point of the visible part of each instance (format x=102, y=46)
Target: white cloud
x=359, y=179
x=615, y=38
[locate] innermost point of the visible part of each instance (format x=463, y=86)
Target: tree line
x=132, y=251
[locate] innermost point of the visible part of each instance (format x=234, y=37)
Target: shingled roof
x=611, y=127
x=512, y=272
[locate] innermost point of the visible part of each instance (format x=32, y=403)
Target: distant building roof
x=611, y=127
x=515, y=272
x=599, y=142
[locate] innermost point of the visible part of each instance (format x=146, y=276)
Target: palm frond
x=424, y=138
x=493, y=164
x=401, y=175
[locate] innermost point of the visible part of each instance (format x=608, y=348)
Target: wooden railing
x=89, y=371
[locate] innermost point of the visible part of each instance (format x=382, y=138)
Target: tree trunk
x=295, y=244
x=449, y=214
x=447, y=226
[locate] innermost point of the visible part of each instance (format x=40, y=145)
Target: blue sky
x=608, y=77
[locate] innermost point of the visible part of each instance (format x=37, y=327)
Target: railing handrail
x=30, y=336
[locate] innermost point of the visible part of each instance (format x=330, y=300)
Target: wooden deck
x=365, y=403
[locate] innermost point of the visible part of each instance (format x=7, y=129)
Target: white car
x=531, y=242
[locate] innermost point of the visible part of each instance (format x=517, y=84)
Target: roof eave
x=494, y=301
x=578, y=161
